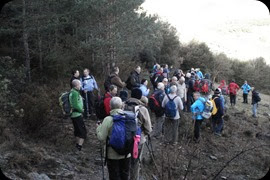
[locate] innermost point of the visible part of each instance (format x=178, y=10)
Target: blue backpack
x=124, y=130
x=170, y=108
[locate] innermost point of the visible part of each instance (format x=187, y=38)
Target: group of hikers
x=128, y=109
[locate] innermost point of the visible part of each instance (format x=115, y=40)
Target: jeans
x=254, y=109
x=171, y=130
x=233, y=99
x=245, y=98
x=217, y=124
x=88, y=99
x=197, y=128
x=118, y=169
x=158, y=126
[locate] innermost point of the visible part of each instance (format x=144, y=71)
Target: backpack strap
x=172, y=98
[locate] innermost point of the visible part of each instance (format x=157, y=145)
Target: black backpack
x=108, y=82
x=100, y=108
x=155, y=105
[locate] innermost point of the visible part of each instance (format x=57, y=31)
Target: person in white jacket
x=182, y=90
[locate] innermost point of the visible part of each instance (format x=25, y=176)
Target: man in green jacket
x=118, y=165
x=76, y=104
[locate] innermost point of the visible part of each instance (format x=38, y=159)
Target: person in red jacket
x=233, y=88
x=107, y=98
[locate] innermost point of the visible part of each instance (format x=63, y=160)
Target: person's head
x=116, y=103
x=138, y=69
x=253, y=89
x=217, y=92
x=161, y=70
x=182, y=80
x=136, y=93
x=196, y=95
x=86, y=72
x=76, y=84
x=123, y=95
x=161, y=86
x=115, y=70
x=197, y=77
x=113, y=90
x=188, y=75
x=223, y=82
x=166, y=66
x=245, y=81
x=76, y=73
x=144, y=82
x=158, y=67
x=233, y=80
x=174, y=79
x=173, y=89
x=165, y=81
x=192, y=69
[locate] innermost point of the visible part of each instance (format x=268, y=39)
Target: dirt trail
x=58, y=160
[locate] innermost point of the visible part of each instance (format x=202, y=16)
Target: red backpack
x=204, y=86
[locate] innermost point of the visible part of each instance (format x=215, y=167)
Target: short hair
x=188, y=75
x=115, y=69
x=197, y=93
x=112, y=87
x=86, y=69
x=75, y=82
x=137, y=67
x=182, y=79
x=143, y=81
x=173, y=89
x=174, y=78
x=160, y=85
x=73, y=72
x=116, y=103
x=165, y=79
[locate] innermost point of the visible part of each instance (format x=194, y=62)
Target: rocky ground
x=21, y=157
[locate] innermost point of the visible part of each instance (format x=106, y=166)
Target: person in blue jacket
x=89, y=84
x=197, y=110
x=144, y=88
x=246, y=89
x=199, y=73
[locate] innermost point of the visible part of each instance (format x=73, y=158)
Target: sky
x=227, y=26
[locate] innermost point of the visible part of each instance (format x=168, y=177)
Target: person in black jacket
x=134, y=79
x=255, y=99
x=217, y=119
x=190, y=90
x=75, y=75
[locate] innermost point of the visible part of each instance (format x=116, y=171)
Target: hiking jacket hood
x=197, y=108
x=76, y=103
x=246, y=88
x=104, y=132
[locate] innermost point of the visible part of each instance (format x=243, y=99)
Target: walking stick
x=86, y=102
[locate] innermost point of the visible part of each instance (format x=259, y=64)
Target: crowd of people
x=130, y=113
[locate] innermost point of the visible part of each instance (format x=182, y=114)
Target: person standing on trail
x=159, y=95
x=145, y=90
x=197, y=110
x=255, y=100
x=217, y=119
x=116, y=80
x=172, y=105
x=89, y=84
x=224, y=88
x=118, y=165
x=233, y=88
x=76, y=104
x=133, y=80
x=199, y=73
x=190, y=90
x=107, y=98
x=246, y=89
x=182, y=91
x=75, y=75
x=144, y=122
x=166, y=85
x=166, y=71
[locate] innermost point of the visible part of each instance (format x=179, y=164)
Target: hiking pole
x=102, y=163
x=86, y=102
x=151, y=145
x=153, y=159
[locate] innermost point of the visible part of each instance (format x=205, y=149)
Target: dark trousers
x=190, y=101
x=233, y=99
x=88, y=99
x=118, y=169
x=245, y=98
x=217, y=124
x=79, y=127
x=197, y=128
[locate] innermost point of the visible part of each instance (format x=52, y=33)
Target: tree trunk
x=25, y=44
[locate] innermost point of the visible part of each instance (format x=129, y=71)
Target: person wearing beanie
x=137, y=106
x=217, y=119
x=182, y=91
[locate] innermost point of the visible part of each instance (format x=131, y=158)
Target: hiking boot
x=218, y=134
